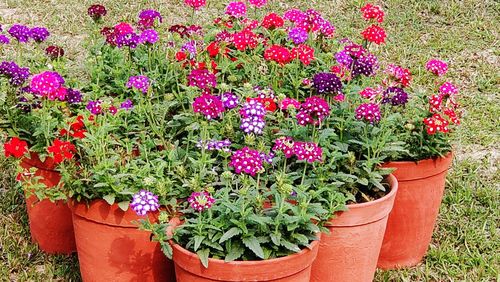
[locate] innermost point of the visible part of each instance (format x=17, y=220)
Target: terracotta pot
x=292, y=268
x=112, y=248
x=350, y=251
x=51, y=225
x=410, y=224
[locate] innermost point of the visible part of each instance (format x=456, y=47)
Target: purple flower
x=210, y=106
x=247, y=161
x=285, y=145
x=147, y=18
x=4, y=39
x=354, y=57
x=395, y=95
x=344, y=58
x=130, y=39
x=236, y=9
x=325, y=83
x=94, y=107
x=229, y=100
x=308, y=151
x=140, y=82
x=313, y=111
x=144, y=202
x=369, y=112
x=253, y=125
x=20, y=32
x=149, y=36
x=127, y=105
x=73, y=96
x=200, y=201
x=39, y=34
x=365, y=65
x=268, y=158
x=253, y=108
x=298, y=35
x=190, y=47
x=202, y=79
x=215, y=145
x=17, y=75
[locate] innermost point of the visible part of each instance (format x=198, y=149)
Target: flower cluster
x=229, y=100
x=307, y=151
x=20, y=32
x=369, y=112
x=272, y=21
x=371, y=11
x=327, y=83
x=15, y=147
x=401, y=75
x=76, y=129
x=140, y=82
x=144, y=202
x=61, y=150
x=437, y=67
x=236, y=9
x=17, y=75
x=357, y=60
x=210, y=106
x=39, y=34
x=202, y=79
x=195, y=4
x=214, y=145
x=48, y=84
x=247, y=160
x=310, y=20
x=298, y=35
x=94, y=107
x=200, y=201
x=313, y=111
x=54, y=52
x=96, y=12
x=395, y=95
x=375, y=34
x=147, y=19
x=252, y=117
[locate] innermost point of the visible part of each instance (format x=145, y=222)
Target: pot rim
x=394, y=186
x=432, y=159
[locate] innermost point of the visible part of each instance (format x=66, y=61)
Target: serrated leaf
x=197, y=241
x=230, y=234
x=124, y=205
x=235, y=253
x=302, y=239
x=290, y=246
x=253, y=244
x=110, y=199
x=166, y=249
x=276, y=238
x=203, y=255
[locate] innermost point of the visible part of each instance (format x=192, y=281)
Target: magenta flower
x=202, y=79
x=96, y=12
x=200, y=201
x=370, y=93
x=247, y=161
x=236, y=9
x=369, y=112
x=230, y=100
x=210, y=106
x=20, y=32
x=258, y=3
x=39, y=34
x=94, y=107
x=149, y=36
x=46, y=83
x=308, y=151
x=147, y=19
x=313, y=111
x=285, y=145
x=4, y=39
x=437, y=67
x=140, y=82
x=195, y=4
x=448, y=89
x=144, y=202
x=127, y=105
x=289, y=103
x=298, y=35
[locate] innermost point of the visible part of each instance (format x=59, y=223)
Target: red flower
x=15, y=147
x=435, y=102
x=436, y=123
x=452, y=115
x=61, y=150
x=304, y=53
x=374, y=34
x=268, y=103
x=272, y=21
x=180, y=56
x=245, y=39
x=279, y=54
x=373, y=12
x=213, y=49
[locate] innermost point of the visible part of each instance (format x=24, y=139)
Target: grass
x=466, y=242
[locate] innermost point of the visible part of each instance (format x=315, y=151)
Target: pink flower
x=437, y=67
x=200, y=201
x=195, y=4
x=448, y=89
x=46, y=83
x=370, y=93
x=285, y=145
x=289, y=103
x=202, y=79
x=258, y=3
x=339, y=98
x=247, y=161
x=308, y=151
x=236, y=9
x=210, y=106
x=402, y=75
x=123, y=28
x=373, y=12
x=369, y=112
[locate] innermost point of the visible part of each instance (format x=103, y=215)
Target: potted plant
x=36, y=116
x=425, y=127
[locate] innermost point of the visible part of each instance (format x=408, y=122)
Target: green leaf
x=197, y=241
x=203, y=255
x=166, y=248
x=290, y=246
x=110, y=199
x=302, y=239
x=235, y=253
x=230, y=234
x=124, y=205
x=253, y=244
x=276, y=238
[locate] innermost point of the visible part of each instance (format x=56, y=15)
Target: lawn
x=466, y=241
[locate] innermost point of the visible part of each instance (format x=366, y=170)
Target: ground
x=466, y=241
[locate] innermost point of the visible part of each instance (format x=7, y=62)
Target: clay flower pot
x=292, y=268
x=51, y=225
x=350, y=252
x=412, y=220
x=112, y=248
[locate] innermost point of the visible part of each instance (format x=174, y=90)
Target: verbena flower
x=147, y=18
x=279, y=54
x=402, y=75
x=448, y=89
x=395, y=95
x=127, y=105
x=375, y=34
x=298, y=35
x=253, y=108
x=73, y=96
x=285, y=144
x=326, y=83
x=373, y=12
x=202, y=79
x=140, y=82
x=257, y=3
x=215, y=145
x=39, y=34
x=130, y=39
x=16, y=74
x=54, y=52
x=245, y=39
x=148, y=36
x=272, y=21
x=304, y=53
x=370, y=93
x=452, y=115
x=200, y=201
x=369, y=112
x=61, y=150
x=96, y=12
x=15, y=147
x=208, y=105
x=4, y=39
x=20, y=32
x=190, y=47
x=437, y=67
x=308, y=151
x=252, y=124
x=435, y=124
x=313, y=111
x=247, y=161
x=144, y=202
x=236, y=9
x=46, y=83
x=94, y=107
x=229, y=100
x=123, y=28
x=195, y=4
x=288, y=103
